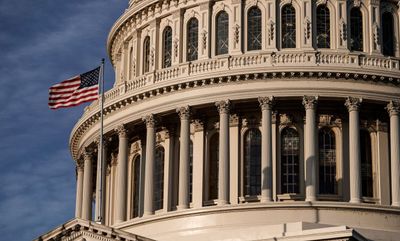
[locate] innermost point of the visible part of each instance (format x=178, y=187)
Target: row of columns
x=84, y=170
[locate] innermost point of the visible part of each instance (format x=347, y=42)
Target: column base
x=266, y=200
x=311, y=199
x=182, y=207
x=396, y=204
x=222, y=202
x=355, y=200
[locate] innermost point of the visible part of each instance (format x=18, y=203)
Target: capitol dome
x=245, y=120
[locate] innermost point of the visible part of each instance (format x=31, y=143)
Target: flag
x=76, y=90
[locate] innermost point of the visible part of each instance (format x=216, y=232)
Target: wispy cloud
x=43, y=42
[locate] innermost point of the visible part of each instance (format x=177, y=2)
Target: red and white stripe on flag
x=68, y=93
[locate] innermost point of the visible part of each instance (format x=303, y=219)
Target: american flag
x=76, y=90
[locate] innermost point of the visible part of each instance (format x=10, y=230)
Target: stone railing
x=266, y=62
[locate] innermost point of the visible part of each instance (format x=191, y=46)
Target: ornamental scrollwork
x=393, y=108
x=353, y=104
x=343, y=29
x=184, y=112
x=122, y=131
x=204, y=39
x=223, y=106
x=266, y=102
x=176, y=47
x=236, y=33
x=376, y=33
x=271, y=29
x=310, y=102
x=149, y=120
x=307, y=28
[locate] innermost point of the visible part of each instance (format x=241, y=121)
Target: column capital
x=310, y=102
x=184, y=112
x=223, y=106
x=233, y=120
x=198, y=125
x=122, y=131
x=79, y=165
x=87, y=154
x=97, y=141
x=353, y=104
x=393, y=108
x=266, y=102
x=149, y=120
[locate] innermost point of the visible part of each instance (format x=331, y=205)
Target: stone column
x=87, y=186
x=79, y=188
x=184, y=157
x=353, y=105
x=149, y=165
x=310, y=143
x=223, y=166
x=266, y=148
x=394, y=109
x=100, y=183
x=198, y=163
x=122, y=167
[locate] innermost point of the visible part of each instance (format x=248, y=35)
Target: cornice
x=119, y=101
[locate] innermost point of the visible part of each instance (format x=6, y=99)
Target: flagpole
x=100, y=215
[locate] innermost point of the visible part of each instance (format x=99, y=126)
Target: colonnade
x=84, y=191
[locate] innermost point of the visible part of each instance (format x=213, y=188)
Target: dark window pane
x=213, y=167
x=366, y=164
x=388, y=37
x=290, y=153
x=323, y=27
x=167, y=47
x=288, y=26
x=252, y=162
x=146, y=55
x=254, y=36
x=327, y=162
x=222, y=33
x=136, y=186
x=356, y=30
x=192, y=39
x=159, y=178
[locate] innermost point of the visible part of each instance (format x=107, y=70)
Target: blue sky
x=43, y=42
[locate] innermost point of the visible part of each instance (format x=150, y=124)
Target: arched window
x=288, y=26
x=159, y=178
x=290, y=160
x=192, y=39
x=213, y=167
x=167, y=47
x=136, y=185
x=254, y=35
x=356, y=30
x=327, y=162
x=146, y=55
x=387, y=34
x=222, y=33
x=191, y=171
x=366, y=164
x=323, y=27
x=252, y=163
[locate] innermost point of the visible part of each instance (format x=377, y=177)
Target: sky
x=43, y=42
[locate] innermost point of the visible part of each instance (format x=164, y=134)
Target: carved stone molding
x=285, y=119
x=184, y=112
x=87, y=154
x=122, y=131
x=79, y=165
x=223, y=106
x=271, y=29
x=149, y=120
x=353, y=104
x=310, y=102
x=266, y=103
x=393, y=108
